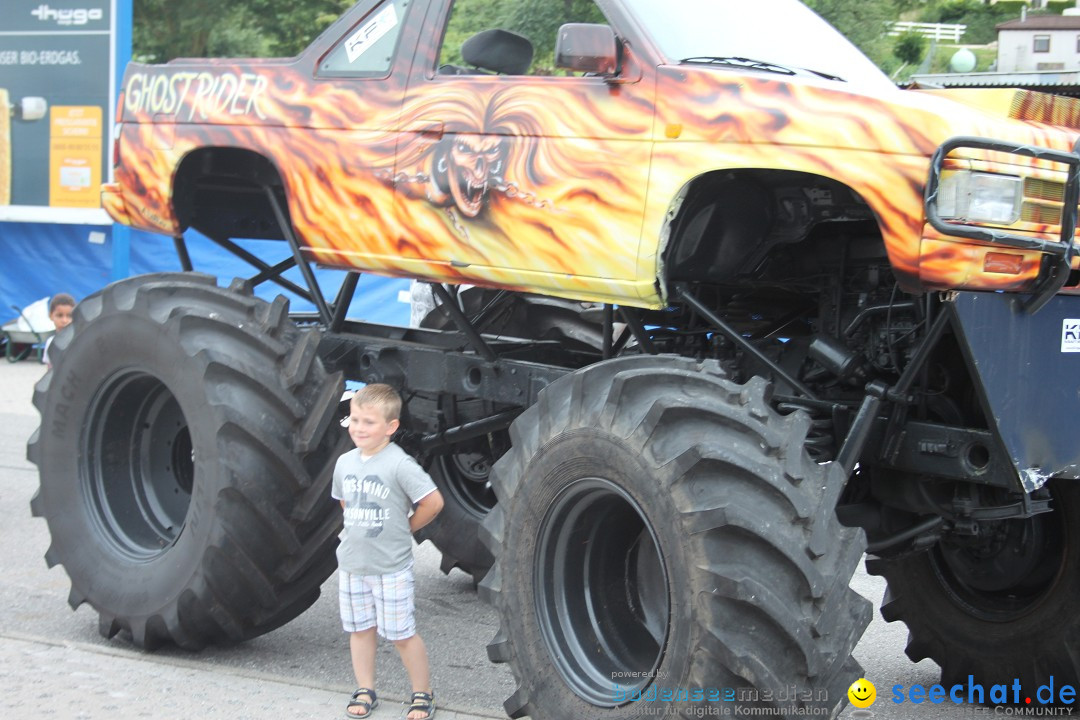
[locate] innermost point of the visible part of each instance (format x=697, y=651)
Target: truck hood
x=717, y=106
x=1018, y=104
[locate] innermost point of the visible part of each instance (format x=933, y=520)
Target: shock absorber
x=838, y=360
x=821, y=437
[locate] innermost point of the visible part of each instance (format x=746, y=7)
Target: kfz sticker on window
x=362, y=40
x=1070, y=336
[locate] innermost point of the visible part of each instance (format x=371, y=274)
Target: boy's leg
x=357, y=605
x=415, y=659
x=395, y=609
x=362, y=649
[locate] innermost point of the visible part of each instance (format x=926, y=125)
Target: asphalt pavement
x=53, y=662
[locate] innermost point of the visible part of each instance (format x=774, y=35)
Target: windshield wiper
x=750, y=64
x=740, y=62
x=827, y=76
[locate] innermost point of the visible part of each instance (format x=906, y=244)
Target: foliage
x=864, y=23
x=1011, y=9
x=167, y=29
x=984, y=58
x=981, y=20
x=164, y=30
x=468, y=17
x=538, y=20
x=910, y=47
x=292, y=25
x=1058, y=6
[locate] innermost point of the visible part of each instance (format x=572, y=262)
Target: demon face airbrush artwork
x=467, y=170
x=464, y=166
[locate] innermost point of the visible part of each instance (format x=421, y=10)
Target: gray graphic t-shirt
x=379, y=494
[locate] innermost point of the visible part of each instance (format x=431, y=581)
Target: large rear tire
x=660, y=533
x=185, y=452
x=461, y=473
x=1000, y=606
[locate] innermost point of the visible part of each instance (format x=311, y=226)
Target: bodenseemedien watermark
x=791, y=701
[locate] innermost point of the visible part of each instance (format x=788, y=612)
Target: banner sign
x=57, y=74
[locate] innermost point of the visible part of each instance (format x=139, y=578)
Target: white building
x=1039, y=42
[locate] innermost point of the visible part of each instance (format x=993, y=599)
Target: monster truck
x=716, y=309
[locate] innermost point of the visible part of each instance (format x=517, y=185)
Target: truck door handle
x=427, y=129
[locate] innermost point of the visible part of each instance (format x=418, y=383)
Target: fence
x=934, y=31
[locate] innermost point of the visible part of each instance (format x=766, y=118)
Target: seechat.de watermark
x=1049, y=699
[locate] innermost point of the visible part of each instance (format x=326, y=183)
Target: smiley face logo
x=862, y=693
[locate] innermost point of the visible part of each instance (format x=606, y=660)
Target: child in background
x=60, y=309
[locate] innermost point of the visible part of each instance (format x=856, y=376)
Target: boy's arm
x=429, y=506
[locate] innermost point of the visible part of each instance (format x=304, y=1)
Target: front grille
x=1039, y=189
x=1042, y=214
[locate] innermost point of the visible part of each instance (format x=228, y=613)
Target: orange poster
x=75, y=137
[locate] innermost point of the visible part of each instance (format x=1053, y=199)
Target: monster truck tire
x=467, y=499
x=185, y=452
x=461, y=476
x=660, y=531
x=1022, y=625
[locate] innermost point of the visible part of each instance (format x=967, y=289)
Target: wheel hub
x=140, y=468
x=466, y=476
x=1004, y=573
x=601, y=591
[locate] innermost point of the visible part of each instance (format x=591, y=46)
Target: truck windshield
x=768, y=33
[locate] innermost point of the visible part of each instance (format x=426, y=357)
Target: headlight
x=980, y=197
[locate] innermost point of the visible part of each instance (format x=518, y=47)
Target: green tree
x=910, y=47
x=864, y=22
x=291, y=25
x=167, y=29
x=468, y=18
x=163, y=30
x=981, y=20
x=538, y=20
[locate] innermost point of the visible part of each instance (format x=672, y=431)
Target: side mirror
x=584, y=47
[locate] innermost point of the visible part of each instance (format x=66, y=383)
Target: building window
x=1042, y=44
x=1078, y=43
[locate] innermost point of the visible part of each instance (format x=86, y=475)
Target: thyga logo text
x=71, y=16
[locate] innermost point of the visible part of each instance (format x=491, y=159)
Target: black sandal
x=424, y=702
x=367, y=705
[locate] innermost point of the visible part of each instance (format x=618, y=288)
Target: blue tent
x=41, y=259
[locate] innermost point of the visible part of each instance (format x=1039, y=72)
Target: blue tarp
x=41, y=259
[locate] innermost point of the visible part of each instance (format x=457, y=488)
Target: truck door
x=348, y=117
x=516, y=173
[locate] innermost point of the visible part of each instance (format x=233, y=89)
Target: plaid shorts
x=384, y=602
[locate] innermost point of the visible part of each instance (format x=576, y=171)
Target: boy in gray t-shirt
x=378, y=485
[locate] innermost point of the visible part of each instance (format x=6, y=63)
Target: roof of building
x=1043, y=22
x=1052, y=81
x=1002, y=79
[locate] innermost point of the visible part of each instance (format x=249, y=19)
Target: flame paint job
x=559, y=185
